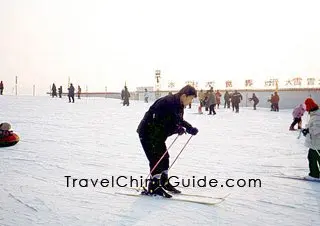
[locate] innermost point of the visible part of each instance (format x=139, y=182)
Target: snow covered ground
x=96, y=139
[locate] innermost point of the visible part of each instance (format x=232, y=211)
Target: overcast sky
x=105, y=43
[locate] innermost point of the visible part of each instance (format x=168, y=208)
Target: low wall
x=289, y=98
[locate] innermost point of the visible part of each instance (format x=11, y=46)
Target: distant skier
x=60, y=91
x=237, y=97
x=276, y=100
x=271, y=100
x=211, y=102
x=71, y=93
x=125, y=95
x=1, y=88
x=201, y=97
x=163, y=119
x=218, y=98
x=297, y=115
x=226, y=100
x=312, y=134
x=79, y=92
x=146, y=95
x=54, y=90
x=255, y=100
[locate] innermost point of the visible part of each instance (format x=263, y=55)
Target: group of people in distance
x=165, y=118
x=71, y=92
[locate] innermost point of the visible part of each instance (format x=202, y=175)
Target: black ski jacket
x=163, y=119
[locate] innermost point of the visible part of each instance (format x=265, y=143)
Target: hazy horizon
x=102, y=44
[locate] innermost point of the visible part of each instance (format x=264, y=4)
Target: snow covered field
x=96, y=139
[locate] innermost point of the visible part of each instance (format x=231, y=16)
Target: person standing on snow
x=227, y=99
x=163, y=119
x=146, y=95
x=125, y=95
x=312, y=134
x=218, y=98
x=297, y=115
x=54, y=90
x=79, y=92
x=60, y=91
x=255, y=101
x=237, y=98
x=71, y=93
x=1, y=88
x=211, y=102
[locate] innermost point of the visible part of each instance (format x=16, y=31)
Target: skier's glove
x=305, y=131
x=181, y=130
x=192, y=130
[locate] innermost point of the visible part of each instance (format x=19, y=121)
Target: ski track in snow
x=96, y=138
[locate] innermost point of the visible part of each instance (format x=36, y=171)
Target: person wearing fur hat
x=5, y=129
x=312, y=134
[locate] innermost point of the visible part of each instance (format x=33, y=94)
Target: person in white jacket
x=312, y=134
x=146, y=95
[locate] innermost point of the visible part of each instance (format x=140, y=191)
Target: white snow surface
x=96, y=138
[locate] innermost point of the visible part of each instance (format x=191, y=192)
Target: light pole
x=16, y=85
x=157, y=77
x=106, y=91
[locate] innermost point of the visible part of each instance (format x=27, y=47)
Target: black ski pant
x=154, y=150
x=314, y=160
x=227, y=103
x=236, y=105
x=71, y=97
x=212, y=111
x=255, y=105
x=295, y=121
x=126, y=101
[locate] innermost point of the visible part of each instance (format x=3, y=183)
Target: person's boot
x=164, y=181
x=291, y=128
x=154, y=187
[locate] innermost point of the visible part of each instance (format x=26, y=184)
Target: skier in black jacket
x=163, y=119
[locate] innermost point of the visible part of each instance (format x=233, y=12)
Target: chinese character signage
x=248, y=83
x=210, y=84
x=311, y=81
x=171, y=84
x=192, y=83
x=297, y=81
x=270, y=82
x=228, y=83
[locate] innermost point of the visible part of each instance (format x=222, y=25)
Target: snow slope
x=96, y=138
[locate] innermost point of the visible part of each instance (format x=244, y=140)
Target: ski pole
x=181, y=151
x=155, y=166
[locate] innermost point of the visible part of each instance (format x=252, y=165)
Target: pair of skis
x=182, y=197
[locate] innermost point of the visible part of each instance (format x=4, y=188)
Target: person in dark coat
x=255, y=100
x=163, y=119
x=232, y=98
x=237, y=97
x=60, y=91
x=227, y=99
x=71, y=93
x=125, y=95
x=211, y=102
x=1, y=88
x=54, y=90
